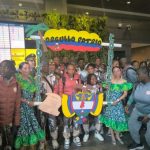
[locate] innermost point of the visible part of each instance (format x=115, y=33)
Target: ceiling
x=94, y=7
x=22, y=4
x=138, y=6
x=136, y=14
x=137, y=45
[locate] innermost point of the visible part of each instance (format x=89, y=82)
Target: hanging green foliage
x=79, y=22
x=52, y=20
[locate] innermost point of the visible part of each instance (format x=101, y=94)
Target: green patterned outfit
x=114, y=115
x=29, y=132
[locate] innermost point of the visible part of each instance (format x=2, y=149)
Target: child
x=92, y=80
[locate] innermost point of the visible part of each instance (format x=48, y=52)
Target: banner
x=63, y=39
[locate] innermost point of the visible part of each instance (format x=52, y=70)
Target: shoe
x=114, y=142
x=41, y=146
x=108, y=134
x=120, y=134
x=98, y=136
x=86, y=138
x=120, y=141
x=76, y=141
x=135, y=146
x=55, y=144
x=102, y=131
x=67, y=144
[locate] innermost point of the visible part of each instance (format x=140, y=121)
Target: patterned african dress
x=29, y=132
x=114, y=115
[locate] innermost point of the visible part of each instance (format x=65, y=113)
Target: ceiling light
x=119, y=25
x=128, y=2
x=20, y=4
x=87, y=13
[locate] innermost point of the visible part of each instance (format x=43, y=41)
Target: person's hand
x=146, y=119
x=127, y=109
x=31, y=104
x=116, y=102
x=23, y=100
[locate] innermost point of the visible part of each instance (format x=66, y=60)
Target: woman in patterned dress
x=114, y=115
x=29, y=132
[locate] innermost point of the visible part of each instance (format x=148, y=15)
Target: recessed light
x=119, y=25
x=87, y=13
x=128, y=2
x=20, y=4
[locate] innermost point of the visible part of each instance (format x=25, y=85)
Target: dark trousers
x=7, y=136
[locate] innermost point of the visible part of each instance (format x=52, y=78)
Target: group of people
x=22, y=125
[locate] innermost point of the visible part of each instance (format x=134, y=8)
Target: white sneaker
x=120, y=141
x=86, y=137
x=98, y=136
x=102, y=131
x=67, y=144
x=55, y=144
x=76, y=141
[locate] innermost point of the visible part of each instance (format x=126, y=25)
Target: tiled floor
x=93, y=144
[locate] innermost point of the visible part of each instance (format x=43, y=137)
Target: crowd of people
x=23, y=126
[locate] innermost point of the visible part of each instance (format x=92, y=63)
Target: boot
x=55, y=144
x=86, y=130
x=54, y=136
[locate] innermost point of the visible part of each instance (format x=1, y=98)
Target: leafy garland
x=25, y=84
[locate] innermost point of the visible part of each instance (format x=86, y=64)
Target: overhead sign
x=17, y=38
x=4, y=36
x=63, y=39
